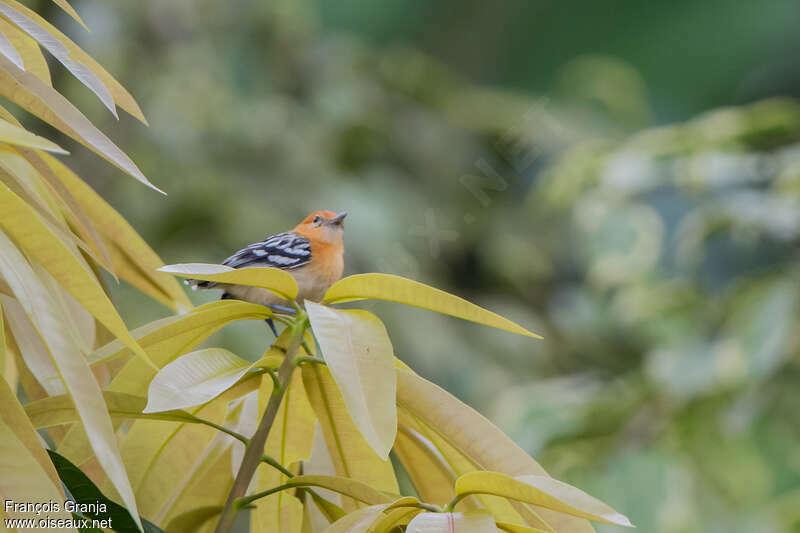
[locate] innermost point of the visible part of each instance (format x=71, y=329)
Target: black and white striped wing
x=285, y=251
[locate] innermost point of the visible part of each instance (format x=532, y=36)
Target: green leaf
x=83, y=490
x=360, y=358
x=273, y=279
x=194, y=379
x=542, y=491
x=470, y=522
x=30, y=232
x=406, y=291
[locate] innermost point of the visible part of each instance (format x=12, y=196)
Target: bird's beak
x=338, y=219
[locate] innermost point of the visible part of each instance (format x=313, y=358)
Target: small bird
x=313, y=253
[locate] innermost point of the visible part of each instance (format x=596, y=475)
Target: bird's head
x=326, y=226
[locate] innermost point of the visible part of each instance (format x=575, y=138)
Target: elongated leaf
x=30, y=93
x=13, y=415
x=59, y=51
x=25, y=226
x=472, y=522
x=516, y=528
x=195, y=378
x=133, y=259
x=477, y=438
x=32, y=349
x=83, y=491
x=191, y=521
x=202, y=319
x=390, y=519
x=32, y=57
x=56, y=410
x=11, y=53
x=542, y=491
x=121, y=96
x=63, y=4
x=289, y=440
x=351, y=455
x=429, y=471
x=360, y=358
x=278, y=281
x=23, y=478
x=71, y=365
x=11, y=134
x=406, y=291
x=357, y=521
x=348, y=487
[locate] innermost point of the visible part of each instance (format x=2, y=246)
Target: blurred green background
x=621, y=177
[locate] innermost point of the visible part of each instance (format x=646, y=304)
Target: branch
x=255, y=449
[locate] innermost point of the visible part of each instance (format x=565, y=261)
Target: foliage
x=187, y=438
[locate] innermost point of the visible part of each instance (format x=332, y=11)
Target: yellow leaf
x=516, y=528
x=69, y=360
x=121, y=96
x=346, y=486
x=406, y=291
x=31, y=346
x=11, y=134
x=543, y=491
x=13, y=415
x=30, y=93
x=360, y=357
x=358, y=521
x=191, y=521
x=30, y=232
x=32, y=57
x=63, y=4
x=24, y=481
x=273, y=279
x=195, y=378
x=351, y=455
x=477, y=438
x=471, y=522
x=390, y=519
x=8, y=50
x=133, y=259
x=59, y=51
x=289, y=440
x=429, y=471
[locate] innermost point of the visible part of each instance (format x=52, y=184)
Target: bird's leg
x=271, y=324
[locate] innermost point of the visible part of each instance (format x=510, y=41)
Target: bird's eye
x=317, y=219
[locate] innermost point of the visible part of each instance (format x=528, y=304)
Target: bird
x=312, y=252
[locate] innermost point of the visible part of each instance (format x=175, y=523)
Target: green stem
x=316, y=360
x=244, y=440
x=275, y=464
x=255, y=449
x=452, y=505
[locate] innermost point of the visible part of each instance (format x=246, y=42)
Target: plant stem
x=255, y=449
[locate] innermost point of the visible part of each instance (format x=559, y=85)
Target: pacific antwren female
x=312, y=253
